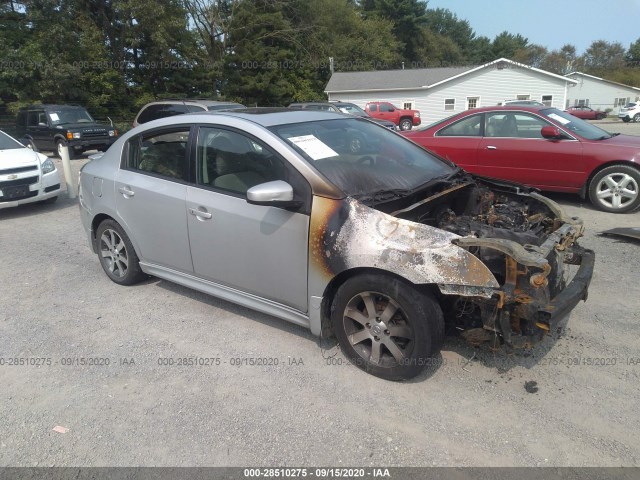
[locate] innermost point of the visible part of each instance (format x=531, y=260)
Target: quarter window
x=449, y=103
x=161, y=153
x=467, y=127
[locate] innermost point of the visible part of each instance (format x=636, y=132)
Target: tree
x=506, y=44
x=408, y=18
x=532, y=55
x=633, y=54
x=602, y=55
x=444, y=23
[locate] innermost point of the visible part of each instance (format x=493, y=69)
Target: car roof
x=270, y=116
x=51, y=106
x=527, y=108
x=192, y=101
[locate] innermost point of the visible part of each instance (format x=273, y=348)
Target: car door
x=259, y=250
x=513, y=149
x=150, y=191
x=38, y=128
x=458, y=141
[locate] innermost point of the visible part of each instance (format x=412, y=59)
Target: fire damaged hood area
x=500, y=254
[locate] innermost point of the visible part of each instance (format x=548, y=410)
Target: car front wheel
x=616, y=189
x=405, y=124
x=386, y=327
x=626, y=119
x=636, y=117
x=116, y=254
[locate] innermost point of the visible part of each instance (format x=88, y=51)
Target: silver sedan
x=337, y=224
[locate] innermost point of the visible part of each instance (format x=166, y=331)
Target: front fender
x=346, y=234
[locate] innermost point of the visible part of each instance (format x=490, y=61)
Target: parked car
x=170, y=108
x=405, y=119
x=25, y=176
x=543, y=147
x=630, y=112
x=50, y=127
x=586, y=113
x=342, y=107
x=531, y=103
x=271, y=209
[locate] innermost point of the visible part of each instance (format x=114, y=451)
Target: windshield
x=576, y=125
x=352, y=109
x=69, y=115
x=361, y=157
x=8, y=143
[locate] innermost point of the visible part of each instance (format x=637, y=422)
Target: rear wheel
x=386, y=327
x=117, y=256
x=405, y=124
x=616, y=189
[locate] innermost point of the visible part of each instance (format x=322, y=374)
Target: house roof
x=602, y=80
x=412, y=79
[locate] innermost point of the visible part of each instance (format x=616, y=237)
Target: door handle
x=200, y=213
x=126, y=192
x=491, y=147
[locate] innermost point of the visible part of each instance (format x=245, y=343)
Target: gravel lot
x=311, y=408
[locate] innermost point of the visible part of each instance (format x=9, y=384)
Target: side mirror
x=273, y=194
x=551, y=132
x=391, y=110
x=42, y=124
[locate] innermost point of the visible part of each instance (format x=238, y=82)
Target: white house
x=441, y=92
x=600, y=94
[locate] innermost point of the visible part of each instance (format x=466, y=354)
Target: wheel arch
x=101, y=217
x=585, y=187
x=339, y=280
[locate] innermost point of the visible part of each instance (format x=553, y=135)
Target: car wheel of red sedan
x=616, y=189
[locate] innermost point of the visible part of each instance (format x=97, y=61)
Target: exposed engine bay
x=525, y=240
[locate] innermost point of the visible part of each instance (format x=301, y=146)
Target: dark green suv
x=49, y=127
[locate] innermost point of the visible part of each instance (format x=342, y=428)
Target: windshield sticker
x=54, y=117
x=313, y=147
x=558, y=118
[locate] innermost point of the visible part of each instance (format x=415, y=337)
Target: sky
x=551, y=23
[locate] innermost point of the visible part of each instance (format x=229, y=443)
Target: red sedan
x=586, y=113
x=543, y=147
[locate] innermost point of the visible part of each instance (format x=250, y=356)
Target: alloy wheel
x=378, y=329
x=617, y=190
x=114, y=253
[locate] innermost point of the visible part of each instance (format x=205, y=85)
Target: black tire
x=62, y=143
x=117, y=255
x=600, y=116
x=615, y=189
x=415, y=317
x=626, y=119
x=405, y=124
x=636, y=117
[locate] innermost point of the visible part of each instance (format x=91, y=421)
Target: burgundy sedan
x=586, y=113
x=543, y=147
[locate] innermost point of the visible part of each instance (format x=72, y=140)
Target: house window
x=449, y=103
x=620, y=102
x=523, y=97
x=581, y=103
x=472, y=102
x=547, y=99
x=408, y=104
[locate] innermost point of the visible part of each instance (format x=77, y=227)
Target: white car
x=630, y=112
x=25, y=176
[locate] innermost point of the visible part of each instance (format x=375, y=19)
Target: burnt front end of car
x=530, y=246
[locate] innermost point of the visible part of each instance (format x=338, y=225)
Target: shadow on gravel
x=36, y=209
x=504, y=359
